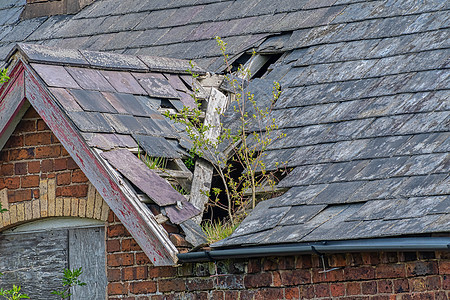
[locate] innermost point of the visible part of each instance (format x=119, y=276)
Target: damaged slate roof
x=364, y=104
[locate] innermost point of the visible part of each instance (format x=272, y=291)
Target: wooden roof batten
x=24, y=86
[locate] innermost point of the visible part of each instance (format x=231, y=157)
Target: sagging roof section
x=100, y=109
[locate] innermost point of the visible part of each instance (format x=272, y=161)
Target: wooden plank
x=82, y=208
x=43, y=197
x=87, y=250
x=74, y=209
x=134, y=215
x=51, y=196
x=36, y=209
x=203, y=171
x=90, y=201
x=98, y=206
x=59, y=207
x=144, y=178
x=67, y=205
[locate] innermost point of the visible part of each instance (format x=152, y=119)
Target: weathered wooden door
x=35, y=260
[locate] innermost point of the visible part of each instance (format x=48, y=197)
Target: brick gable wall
x=359, y=276
x=39, y=179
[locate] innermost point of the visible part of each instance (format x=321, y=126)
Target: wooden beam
x=134, y=215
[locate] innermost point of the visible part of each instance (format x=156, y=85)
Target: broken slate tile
x=123, y=82
x=65, y=99
x=156, y=146
x=55, y=76
x=142, y=177
x=181, y=212
x=156, y=87
x=107, y=60
x=90, y=79
x=125, y=124
x=127, y=104
x=92, y=101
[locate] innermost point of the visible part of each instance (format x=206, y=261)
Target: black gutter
x=367, y=245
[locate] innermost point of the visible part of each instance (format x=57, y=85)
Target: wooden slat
x=144, y=178
x=134, y=215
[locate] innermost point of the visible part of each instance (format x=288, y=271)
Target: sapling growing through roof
x=256, y=131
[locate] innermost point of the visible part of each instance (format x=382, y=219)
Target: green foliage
x=216, y=231
x=70, y=279
x=3, y=76
x=2, y=210
x=13, y=294
x=256, y=131
x=152, y=162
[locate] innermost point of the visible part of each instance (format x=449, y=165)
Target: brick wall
x=38, y=178
x=360, y=276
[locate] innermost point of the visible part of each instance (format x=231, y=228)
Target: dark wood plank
x=127, y=207
x=141, y=176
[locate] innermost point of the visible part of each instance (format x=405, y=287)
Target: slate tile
x=381, y=168
x=413, y=225
x=150, y=104
x=412, y=208
x=155, y=18
x=149, y=127
x=123, y=82
x=298, y=195
x=336, y=193
x=156, y=146
x=279, y=235
x=382, y=147
x=90, y=121
x=142, y=177
x=92, y=101
x=19, y=32
x=125, y=124
x=182, y=16
x=104, y=141
x=156, y=87
x=385, y=126
x=206, y=31
x=441, y=224
x=261, y=219
x=210, y=12
x=172, y=65
x=181, y=212
x=373, y=210
x=40, y=53
x=65, y=99
x=90, y=79
x=55, y=76
x=126, y=104
x=422, y=164
x=301, y=214
x=303, y=175
x=426, y=122
x=423, y=143
x=327, y=214
x=443, y=206
x=423, y=185
x=113, y=61
x=176, y=82
x=178, y=34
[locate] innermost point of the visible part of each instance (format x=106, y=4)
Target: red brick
x=337, y=260
x=111, y=216
x=169, y=285
x=36, y=193
x=26, y=126
x=117, y=231
x=41, y=126
x=199, y=284
x=446, y=282
x=358, y=273
x=353, y=288
x=120, y=259
x=384, y=286
x=29, y=181
x=418, y=284
x=20, y=195
x=295, y=277
x=47, y=165
x=322, y=290
x=276, y=279
x=21, y=154
x=257, y=280
x=117, y=288
x=269, y=294
x=64, y=152
x=114, y=274
x=433, y=283
x=7, y=170
x=204, y=295
x=337, y=289
x=20, y=168
x=142, y=259
x=48, y=151
x=78, y=191
x=270, y=264
x=14, y=141
x=78, y=176
x=112, y=246
x=307, y=292
x=420, y=268
x=217, y=295
x=31, y=113
x=134, y=273
x=71, y=164
x=161, y=272
x=390, y=271
x=63, y=178
x=254, y=265
x=130, y=245
x=369, y=287
x=34, y=167
x=60, y=164
x=334, y=275
x=12, y=182
x=178, y=240
x=444, y=267
x=37, y=139
x=292, y=293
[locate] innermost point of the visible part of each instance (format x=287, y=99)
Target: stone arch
x=48, y=205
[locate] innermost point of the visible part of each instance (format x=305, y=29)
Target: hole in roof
x=265, y=68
